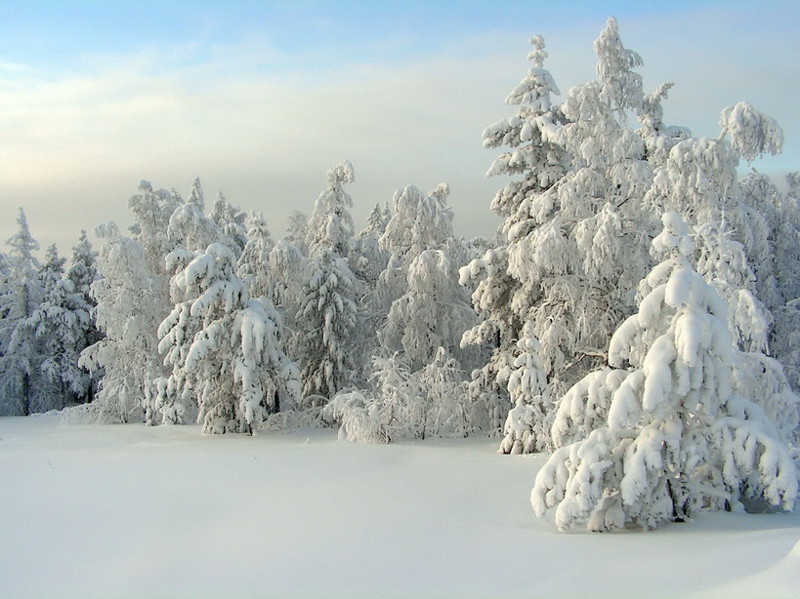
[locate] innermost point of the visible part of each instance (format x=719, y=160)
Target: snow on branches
x=675, y=438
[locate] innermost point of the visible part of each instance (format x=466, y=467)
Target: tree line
x=636, y=314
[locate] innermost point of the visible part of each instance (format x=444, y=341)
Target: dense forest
x=636, y=314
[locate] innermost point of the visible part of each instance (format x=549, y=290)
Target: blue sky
x=258, y=99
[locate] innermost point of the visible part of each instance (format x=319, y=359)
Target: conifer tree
x=327, y=317
x=83, y=273
x=675, y=438
x=253, y=265
x=58, y=323
x=224, y=349
x=19, y=300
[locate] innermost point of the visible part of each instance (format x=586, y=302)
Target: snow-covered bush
x=402, y=404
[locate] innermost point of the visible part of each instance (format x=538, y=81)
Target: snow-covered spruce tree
x=189, y=227
x=19, y=299
x=233, y=368
x=82, y=273
x=325, y=322
x=331, y=225
x=59, y=323
x=327, y=316
x=230, y=221
x=539, y=164
x=35, y=340
x=253, y=265
x=527, y=427
x=676, y=440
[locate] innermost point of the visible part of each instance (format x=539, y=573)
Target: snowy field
x=132, y=511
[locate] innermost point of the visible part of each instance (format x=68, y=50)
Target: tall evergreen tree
x=58, y=324
x=327, y=317
x=19, y=300
x=83, y=273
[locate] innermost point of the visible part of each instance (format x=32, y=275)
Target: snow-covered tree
x=326, y=321
x=723, y=263
x=224, y=349
x=422, y=268
x=368, y=260
x=537, y=164
x=297, y=231
x=19, y=299
x=152, y=211
x=380, y=416
x=401, y=404
x=132, y=295
x=676, y=439
x=327, y=316
x=129, y=308
x=573, y=243
x=59, y=324
x=230, y=221
x=253, y=267
x=287, y=268
x=82, y=273
x=331, y=225
x=433, y=313
x=189, y=227
x=527, y=425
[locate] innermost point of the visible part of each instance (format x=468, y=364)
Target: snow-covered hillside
x=136, y=511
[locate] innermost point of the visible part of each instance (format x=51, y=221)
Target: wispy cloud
x=263, y=123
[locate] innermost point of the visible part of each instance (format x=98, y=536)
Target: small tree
x=527, y=425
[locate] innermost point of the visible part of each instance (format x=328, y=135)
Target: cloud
x=263, y=125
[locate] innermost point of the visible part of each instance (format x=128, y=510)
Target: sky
x=259, y=99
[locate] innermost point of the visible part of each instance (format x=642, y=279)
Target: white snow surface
x=136, y=511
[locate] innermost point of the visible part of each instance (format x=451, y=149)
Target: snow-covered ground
x=133, y=511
